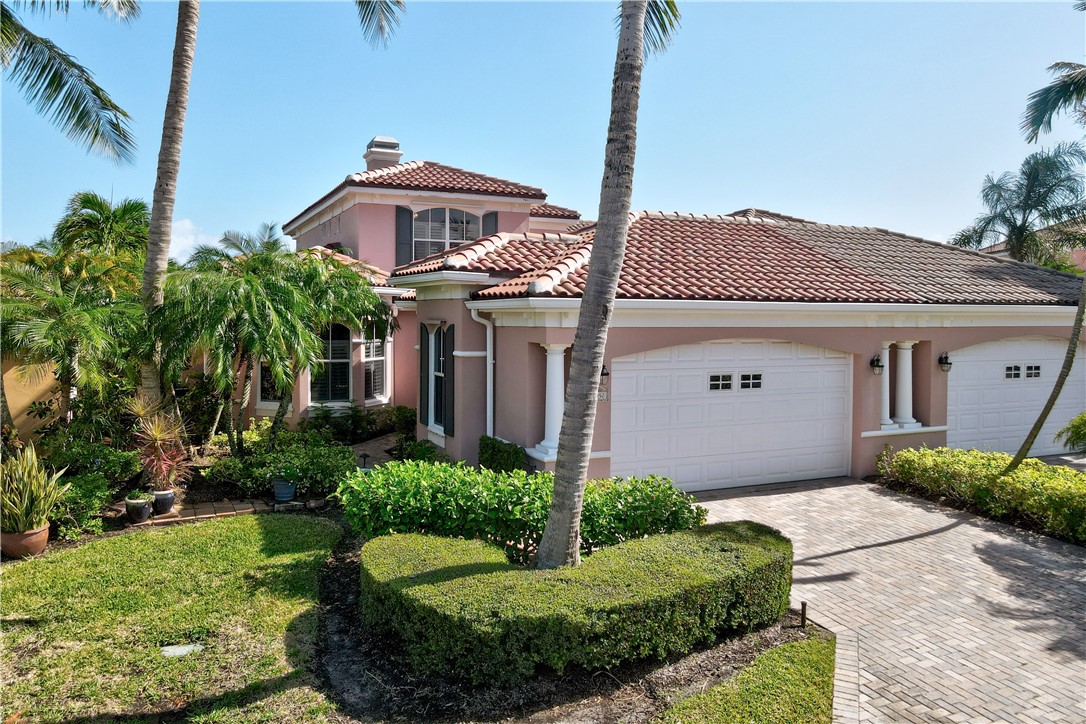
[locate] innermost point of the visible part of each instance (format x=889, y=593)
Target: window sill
x=436, y=435
x=904, y=431
x=377, y=401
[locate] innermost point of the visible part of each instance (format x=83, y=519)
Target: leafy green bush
x=80, y=510
x=322, y=466
x=501, y=456
x=421, y=451
x=509, y=509
x=1050, y=498
x=1073, y=434
x=460, y=608
x=255, y=436
x=789, y=684
x=228, y=472
x=118, y=467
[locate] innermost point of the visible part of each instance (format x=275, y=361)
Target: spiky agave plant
x=28, y=494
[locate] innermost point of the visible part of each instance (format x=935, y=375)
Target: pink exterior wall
x=368, y=230
x=521, y=369
x=513, y=222
x=405, y=361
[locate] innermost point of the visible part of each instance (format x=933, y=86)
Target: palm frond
x=379, y=19
x=58, y=87
x=1066, y=92
x=662, y=19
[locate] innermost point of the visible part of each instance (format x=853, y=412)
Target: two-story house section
x=392, y=214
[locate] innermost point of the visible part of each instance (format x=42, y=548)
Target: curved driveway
x=939, y=615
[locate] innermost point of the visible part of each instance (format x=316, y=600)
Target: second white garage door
x=731, y=413
x=997, y=389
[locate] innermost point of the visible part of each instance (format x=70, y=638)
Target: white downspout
x=489, y=370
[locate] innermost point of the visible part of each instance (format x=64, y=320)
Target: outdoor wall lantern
x=944, y=362
x=876, y=365
x=604, y=373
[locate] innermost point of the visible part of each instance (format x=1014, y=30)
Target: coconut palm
x=1025, y=210
x=378, y=19
x=57, y=86
x=1067, y=92
x=644, y=25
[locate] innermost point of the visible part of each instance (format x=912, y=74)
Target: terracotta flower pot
x=27, y=543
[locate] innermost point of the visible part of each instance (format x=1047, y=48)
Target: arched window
x=330, y=381
x=435, y=230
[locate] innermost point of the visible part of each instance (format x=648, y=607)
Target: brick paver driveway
x=939, y=615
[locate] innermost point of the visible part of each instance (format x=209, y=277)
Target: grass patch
x=791, y=684
x=82, y=628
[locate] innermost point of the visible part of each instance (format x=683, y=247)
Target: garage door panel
x=718, y=438
x=986, y=410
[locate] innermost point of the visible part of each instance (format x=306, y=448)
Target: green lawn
x=791, y=684
x=82, y=628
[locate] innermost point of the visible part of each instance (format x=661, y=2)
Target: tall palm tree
x=560, y=544
x=1067, y=92
x=1047, y=191
x=378, y=19
x=57, y=86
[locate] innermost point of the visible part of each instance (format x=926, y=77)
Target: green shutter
x=424, y=375
x=490, y=223
x=405, y=251
x=450, y=380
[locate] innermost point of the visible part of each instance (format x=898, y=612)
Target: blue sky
x=854, y=113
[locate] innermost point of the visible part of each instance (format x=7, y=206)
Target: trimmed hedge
x=509, y=509
x=1050, y=498
x=501, y=456
x=461, y=609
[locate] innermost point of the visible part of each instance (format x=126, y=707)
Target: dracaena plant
x=28, y=493
x=162, y=454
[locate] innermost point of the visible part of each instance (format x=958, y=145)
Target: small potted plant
x=165, y=461
x=28, y=496
x=284, y=477
x=137, y=506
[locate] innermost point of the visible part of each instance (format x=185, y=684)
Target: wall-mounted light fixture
x=877, y=366
x=944, y=362
x=604, y=374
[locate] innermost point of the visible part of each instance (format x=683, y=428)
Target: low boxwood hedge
x=507, y=508
x=462, y=610
x=1051, y=499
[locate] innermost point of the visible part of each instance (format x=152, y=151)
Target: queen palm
x=58, y=87
x=378, y=19
x=644, y=24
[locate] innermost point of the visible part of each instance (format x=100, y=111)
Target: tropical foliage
x=1067, y=93
x=28, y=492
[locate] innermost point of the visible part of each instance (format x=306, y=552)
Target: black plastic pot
x=137, y=511
x=164, y=500
x=284, y=491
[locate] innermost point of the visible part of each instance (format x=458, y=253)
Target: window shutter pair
x=426, y=369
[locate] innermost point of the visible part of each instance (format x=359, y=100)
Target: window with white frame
x=375, y=348
x=750, y=381
x=1033, y=371
x=438, y=229
x=438, y=393
x=721, y=382
x=1012, y=372
x=330, y=381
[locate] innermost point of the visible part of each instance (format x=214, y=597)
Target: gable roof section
x=768, y=257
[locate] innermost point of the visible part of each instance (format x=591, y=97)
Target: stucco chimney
x=381, y=152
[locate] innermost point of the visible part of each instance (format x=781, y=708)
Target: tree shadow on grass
x=1049, y=590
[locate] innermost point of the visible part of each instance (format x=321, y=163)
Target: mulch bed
x=369, y=678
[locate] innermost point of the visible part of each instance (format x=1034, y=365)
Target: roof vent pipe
x=382, y=152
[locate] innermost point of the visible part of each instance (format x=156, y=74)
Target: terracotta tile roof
x=504, y=254
x=578, y=226
x=430, y=176
x=551, y=211
x=377, y=277
x=767, y=257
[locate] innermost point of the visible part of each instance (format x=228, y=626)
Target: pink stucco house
x=745, y=349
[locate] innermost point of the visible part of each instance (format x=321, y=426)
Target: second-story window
x=436, y=230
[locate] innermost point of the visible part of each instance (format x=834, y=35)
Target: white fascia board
x=442, y=277
x=408, y=197
x=407, y=305
x=523, y=311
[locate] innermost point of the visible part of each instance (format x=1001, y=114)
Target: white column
x=556, y=396
x=886, y=422
x=904, y=416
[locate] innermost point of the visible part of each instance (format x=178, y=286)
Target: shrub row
x=509, y=509
x=322, y=464
x=1051, y=499
x=461, y=609
x=501, y=456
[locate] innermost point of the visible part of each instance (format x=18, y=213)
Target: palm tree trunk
x=169, y=162
x=243, y=408
x=1061, y=378
x=281, y=412
x=560, y=544
x=228, y=424
x=211, y=430
x=64, y=405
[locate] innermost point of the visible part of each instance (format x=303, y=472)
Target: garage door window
x=1033, y=370
x=750, y=381
x=1012, y=372
x=720, y=382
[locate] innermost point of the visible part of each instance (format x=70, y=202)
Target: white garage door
x=997, y=389
x=731, y=413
